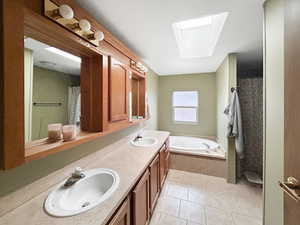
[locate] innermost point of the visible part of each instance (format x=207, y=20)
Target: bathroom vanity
x=141, y=170
x=140, y=203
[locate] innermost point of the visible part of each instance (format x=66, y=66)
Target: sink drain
x=85, y=204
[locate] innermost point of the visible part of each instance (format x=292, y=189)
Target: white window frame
x=188, y=107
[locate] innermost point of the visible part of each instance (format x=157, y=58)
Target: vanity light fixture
x=65, y=16
x=139, y=65
x=63, y=11
x=84, y=25
x=97, y=35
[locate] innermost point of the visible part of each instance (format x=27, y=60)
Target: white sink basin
x=88, y=192
x=144, y=142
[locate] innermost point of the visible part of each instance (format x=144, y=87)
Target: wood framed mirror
x=67, y=87
x=23, y=140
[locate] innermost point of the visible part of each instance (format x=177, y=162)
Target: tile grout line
x=179, y=211
x=205, y=215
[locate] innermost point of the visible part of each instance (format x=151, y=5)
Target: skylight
x=64, y=54
x=198, y=37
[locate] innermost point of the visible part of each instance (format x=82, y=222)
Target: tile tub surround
x=128, y=161
x=197, y=199
x=198, y=164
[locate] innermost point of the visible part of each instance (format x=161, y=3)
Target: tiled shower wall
x=251, y=100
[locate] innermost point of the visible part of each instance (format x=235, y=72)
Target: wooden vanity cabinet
x=154, y=182
x=164, y=157
x=167, y=162
x=141, y=203
x=161, y=166
x=122, y=216
x=118, y=90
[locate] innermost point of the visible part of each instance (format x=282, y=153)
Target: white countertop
x=127, y=160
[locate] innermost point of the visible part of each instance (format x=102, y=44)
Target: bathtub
x=196, y=146
x=198, y=155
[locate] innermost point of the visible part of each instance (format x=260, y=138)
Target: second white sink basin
x=144, y=142
x=88, y=192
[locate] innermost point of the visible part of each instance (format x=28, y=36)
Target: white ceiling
x=146, y=27
x=49, y=60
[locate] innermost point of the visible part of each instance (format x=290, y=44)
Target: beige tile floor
x=196, y=199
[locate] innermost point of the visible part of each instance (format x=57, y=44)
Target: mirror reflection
x=52, y=88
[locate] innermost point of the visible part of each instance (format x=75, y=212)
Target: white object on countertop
x=69, y=132
x=54, y=131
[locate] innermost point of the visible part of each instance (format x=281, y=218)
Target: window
x=185, y=106
x=198, y=37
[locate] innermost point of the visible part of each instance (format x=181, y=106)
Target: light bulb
x=139, y=65
x=99, y=35
x=66, y=12
x=84, y=25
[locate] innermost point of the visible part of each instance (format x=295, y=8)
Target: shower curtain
x=74, y=105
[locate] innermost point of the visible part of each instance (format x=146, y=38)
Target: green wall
x=29, y=172
x=152, y=95
x=28, y=71
x=205, y=84
x=50, y=86
x=226, y=77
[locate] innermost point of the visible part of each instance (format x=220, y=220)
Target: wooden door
x=154, y=182
x=162, y=166
x=122, y=216
x=292, y=113
x=118, y=91
x=141, y=204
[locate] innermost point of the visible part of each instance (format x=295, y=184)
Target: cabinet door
x=141, y=204
x=162, y=166
x=167, y=162
x=167, y=157
x=122, y=217
x=154, y=182
x=118, y=91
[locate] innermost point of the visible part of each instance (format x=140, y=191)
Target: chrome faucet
x=138, y=137
x=76, y=176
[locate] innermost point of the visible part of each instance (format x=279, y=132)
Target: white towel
x=235, y=129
